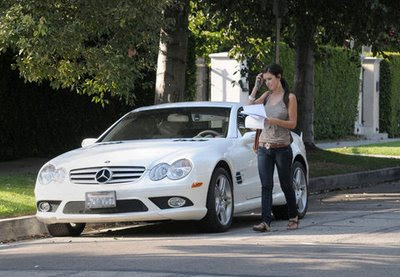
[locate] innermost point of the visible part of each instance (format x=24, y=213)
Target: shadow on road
x=161, y=229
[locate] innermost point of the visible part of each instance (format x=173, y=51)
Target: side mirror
x=87, y=142
x=248, y=137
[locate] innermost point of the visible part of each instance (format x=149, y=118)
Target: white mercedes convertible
x=178, y=161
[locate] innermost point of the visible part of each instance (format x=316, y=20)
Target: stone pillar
x=367, y=123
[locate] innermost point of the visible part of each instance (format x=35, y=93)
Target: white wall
x=224, y=78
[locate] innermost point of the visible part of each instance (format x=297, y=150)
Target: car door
x=246, y=162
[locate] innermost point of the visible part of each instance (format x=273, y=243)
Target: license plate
x=102, y=199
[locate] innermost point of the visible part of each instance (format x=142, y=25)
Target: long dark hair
x=276, y=70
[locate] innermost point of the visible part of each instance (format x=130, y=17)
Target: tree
x=171, y=65
x=307, y=24
x=99, y=48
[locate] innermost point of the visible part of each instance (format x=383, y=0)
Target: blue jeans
x=267, y=159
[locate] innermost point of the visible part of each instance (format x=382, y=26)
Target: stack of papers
x=256, y=116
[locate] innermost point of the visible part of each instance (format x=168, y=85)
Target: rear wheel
x=300, y=186
x=219, y=203
x=66, y=229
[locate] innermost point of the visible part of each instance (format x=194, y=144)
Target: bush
x=389, y=98
x=336, y=94
x=37, y=121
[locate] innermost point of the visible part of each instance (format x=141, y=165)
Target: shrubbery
x=389, y=98
x=337, y=80
x=37, y=121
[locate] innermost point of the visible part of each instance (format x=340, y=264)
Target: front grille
x=119, y=174
x=123, y=206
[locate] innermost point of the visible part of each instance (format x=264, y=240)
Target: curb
x=18, y=228
x=357, y=179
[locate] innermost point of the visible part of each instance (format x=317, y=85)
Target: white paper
x=257, y=110
x=254, y=122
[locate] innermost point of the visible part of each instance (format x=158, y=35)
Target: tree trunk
x=304, y=82
x=171, y=63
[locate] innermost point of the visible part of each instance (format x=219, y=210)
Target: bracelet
x=252, y=98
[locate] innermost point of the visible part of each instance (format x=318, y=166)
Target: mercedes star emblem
x=103, y=175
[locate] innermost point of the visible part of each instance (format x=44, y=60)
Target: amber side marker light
x=197, y=184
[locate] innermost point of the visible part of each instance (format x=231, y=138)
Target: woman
x=274, y=143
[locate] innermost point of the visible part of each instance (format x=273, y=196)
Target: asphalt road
x=345, y=233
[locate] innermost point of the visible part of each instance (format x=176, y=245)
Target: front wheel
x=219, y=203
x=300, y=186
x=66, y=229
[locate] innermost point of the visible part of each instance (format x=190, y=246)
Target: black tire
x=300, y=186
x=219, y=203
x=66, y=229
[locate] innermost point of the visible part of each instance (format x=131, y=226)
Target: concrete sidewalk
x=12, y=229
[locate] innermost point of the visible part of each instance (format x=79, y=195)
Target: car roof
x=189, y=104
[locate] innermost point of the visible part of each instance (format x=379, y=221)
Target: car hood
x=135, y=153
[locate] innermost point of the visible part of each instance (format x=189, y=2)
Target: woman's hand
x=259, y=81
x=257, y=85
x=270, y=121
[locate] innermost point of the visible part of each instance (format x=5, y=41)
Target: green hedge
x=336, y=94
x=389, y=98
x=37, y=121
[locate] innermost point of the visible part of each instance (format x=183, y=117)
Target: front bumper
x=137, y=201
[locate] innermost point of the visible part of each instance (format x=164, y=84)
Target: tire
x=300, y=186
x=66, y=229
x=219, y=203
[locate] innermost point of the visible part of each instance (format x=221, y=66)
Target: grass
x=385, y=149
x=16, y=196
x=334, y=162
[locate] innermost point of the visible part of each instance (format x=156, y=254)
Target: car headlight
x=159, y=171
x=177, y=170
x=50, y=173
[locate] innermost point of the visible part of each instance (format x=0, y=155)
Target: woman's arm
x=259, y=100
x=291, y=123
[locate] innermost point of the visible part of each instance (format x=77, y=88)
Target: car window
x=241, y=122
x=188, y=122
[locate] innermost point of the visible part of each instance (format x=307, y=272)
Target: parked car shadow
x=161, y=229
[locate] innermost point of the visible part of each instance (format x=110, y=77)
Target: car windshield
x=187, y=122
